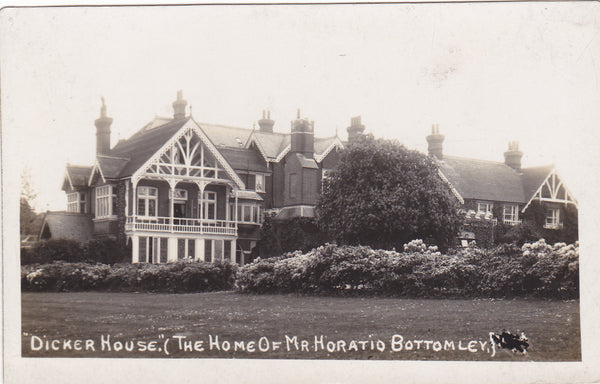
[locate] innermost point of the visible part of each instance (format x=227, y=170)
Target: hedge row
x=537, y=269
x=106, y=251
x=183, y=276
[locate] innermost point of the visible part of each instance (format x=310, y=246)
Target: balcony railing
x=513, y=222
x=180, y=225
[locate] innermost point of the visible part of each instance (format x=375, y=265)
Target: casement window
x=260, y=183
x=552, y=219
x=483, y=207
x=209, y=209
x=146, y=201
x=511, y=214
x=76, y=202
x=106, y=201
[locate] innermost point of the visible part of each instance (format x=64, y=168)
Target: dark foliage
x=281, y=236
x=536, y=269
x=172, y=277
x=390, y=196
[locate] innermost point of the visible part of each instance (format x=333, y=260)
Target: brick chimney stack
x=435, y=142
x=513, y=156
x=266, y=124
x=303, y=136
x=355, y=129
x=179, y=106
x=103, y=131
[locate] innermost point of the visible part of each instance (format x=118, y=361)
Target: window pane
x=247, y=213
x=210, y=210
x=142, y=207
x=227, y=250
x=151, y=207
x=142, y=249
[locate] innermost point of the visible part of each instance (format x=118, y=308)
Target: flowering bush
x=183, y=276
x=507, y=270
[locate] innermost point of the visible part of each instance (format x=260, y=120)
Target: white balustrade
x=180, y=225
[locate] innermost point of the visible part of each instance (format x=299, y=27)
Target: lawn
x=183, y=325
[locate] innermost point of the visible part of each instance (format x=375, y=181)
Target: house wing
x=66, y=225
x=544, y=184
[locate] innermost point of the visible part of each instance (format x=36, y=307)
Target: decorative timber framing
x=552, y=190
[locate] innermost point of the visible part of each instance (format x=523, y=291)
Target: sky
x=486, y=73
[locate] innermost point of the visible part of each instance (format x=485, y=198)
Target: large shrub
x=279, y=236
x=536, y=269
x=106, y=251
x=51, y=250
x=391, y=195
x=183, y=276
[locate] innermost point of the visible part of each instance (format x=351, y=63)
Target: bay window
x=105, y=201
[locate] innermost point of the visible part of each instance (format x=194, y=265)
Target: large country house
x=178, y=188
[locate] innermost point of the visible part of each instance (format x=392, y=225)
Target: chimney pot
x=435, y=142
x=103, y=131
x=513, y=156
x=179, y=106
x=356, y=128
x=266, y=124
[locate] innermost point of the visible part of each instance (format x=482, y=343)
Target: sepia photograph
x=323, y=192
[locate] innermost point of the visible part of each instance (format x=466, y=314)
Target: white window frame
x=259, y=182
x=74, y=201
x=104, y=201
x=207, y=201
x=552, y=219
x=488, y=207
x=180, y=194
x=510, y=214
x=256, y=213
x=144, y=193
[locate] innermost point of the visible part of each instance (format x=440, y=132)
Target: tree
x=384, y=195
x=30, y=220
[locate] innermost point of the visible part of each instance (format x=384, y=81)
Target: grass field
x=158, y=321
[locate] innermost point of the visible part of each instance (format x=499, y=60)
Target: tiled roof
x=79, y=174
x=491, y=180
x=483, y=180
x=143, y=144
x=244, y=159
x=130, y=154
x=111, y=167
x=68, y=225
x=273, y=143
x=533, y=178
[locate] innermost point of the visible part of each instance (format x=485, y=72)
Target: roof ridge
x=114, y=157
x=473, y=159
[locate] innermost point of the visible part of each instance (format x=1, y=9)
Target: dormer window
x=260, y=183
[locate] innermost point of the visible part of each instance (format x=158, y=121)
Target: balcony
x=180, y=225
